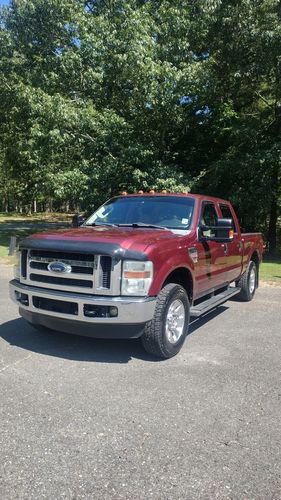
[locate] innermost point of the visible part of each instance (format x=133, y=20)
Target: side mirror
x=222, y=232
x=77, y=220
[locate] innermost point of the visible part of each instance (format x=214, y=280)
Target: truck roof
x=189, y=195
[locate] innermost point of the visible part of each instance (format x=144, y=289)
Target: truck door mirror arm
x=77, y=220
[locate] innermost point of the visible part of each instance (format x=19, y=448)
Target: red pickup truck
x=140, y=266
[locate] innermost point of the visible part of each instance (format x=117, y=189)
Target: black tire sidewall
x=177, y=292
x=252, y=266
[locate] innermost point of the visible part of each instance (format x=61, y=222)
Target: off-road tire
x=154, y=338
x=246, y=294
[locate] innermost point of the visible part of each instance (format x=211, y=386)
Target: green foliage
x=98, y=97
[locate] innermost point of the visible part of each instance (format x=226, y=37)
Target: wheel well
x=183, y=277
x=255, y=259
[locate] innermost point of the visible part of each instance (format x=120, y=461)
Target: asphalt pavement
x=93, y=419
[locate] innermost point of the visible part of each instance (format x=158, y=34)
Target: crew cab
x=140, y=266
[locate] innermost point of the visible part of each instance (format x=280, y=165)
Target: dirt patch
x=8, y=261
x=269, y=283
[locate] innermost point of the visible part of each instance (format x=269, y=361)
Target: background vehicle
x=141, y=265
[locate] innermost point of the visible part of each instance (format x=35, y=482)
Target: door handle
x=225, y=248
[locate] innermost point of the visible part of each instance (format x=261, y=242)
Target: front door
x=210, y=270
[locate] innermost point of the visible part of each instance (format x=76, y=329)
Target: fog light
x=113, y=311
x=95, y=311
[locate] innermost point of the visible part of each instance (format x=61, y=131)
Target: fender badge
x=193, y=254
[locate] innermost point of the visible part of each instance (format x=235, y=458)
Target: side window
x=209, y=217
x=226, y=213
x=209, y=214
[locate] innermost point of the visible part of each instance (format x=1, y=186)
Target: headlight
x=136, y=277
x=17, y=265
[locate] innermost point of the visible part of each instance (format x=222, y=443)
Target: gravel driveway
x=88, y=419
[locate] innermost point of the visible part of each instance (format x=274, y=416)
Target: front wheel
x=165, y=334
x=248, y=283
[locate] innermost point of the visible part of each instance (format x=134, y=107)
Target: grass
x=4, y=244
x=5, y=240
x=39, y=217
x=5, y=235
x=270, y=270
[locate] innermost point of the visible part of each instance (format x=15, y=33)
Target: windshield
x=171, y=212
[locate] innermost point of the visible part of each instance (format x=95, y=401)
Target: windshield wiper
x=142, y=224
x=102, y=224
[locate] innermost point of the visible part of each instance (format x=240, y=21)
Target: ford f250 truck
x=140, y=266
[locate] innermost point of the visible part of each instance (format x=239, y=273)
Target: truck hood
x=124, y=242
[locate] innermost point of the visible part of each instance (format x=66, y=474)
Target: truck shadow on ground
x=19, y=333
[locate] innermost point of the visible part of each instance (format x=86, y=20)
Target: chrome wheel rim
x=252, y=280
x=175, y=321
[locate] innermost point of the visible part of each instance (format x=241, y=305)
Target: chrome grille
x=43, y=266
x=48, y=254
x=57, y=280
x=98, y=274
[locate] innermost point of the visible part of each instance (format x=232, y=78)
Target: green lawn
x=39, y=217
x=271, y=270
x=6, y=232
x=5, y=240
x=4, y=244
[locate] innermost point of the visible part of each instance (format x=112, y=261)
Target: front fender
x=170, y=265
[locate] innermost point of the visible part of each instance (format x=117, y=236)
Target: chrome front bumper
x=131, y=310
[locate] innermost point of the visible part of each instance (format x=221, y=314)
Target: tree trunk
x=272, y=228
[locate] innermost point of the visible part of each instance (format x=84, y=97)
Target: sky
x=4, y=2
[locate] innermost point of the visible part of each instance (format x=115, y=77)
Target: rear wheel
x=248, y=283
x=165, y=334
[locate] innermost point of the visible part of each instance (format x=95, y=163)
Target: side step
x=216, y=300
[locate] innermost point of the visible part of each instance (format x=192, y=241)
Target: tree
x=244, y=110
x=140, y=94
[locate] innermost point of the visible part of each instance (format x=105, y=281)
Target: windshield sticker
x=184, y=221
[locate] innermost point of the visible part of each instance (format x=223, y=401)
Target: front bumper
x=133, y=312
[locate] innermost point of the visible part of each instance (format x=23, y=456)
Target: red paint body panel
x=169, y=251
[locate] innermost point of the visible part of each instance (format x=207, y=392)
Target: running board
x=216, y=300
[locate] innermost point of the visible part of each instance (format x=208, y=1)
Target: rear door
x=210, y=270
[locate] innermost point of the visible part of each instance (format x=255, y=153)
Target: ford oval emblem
x=59, y=267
